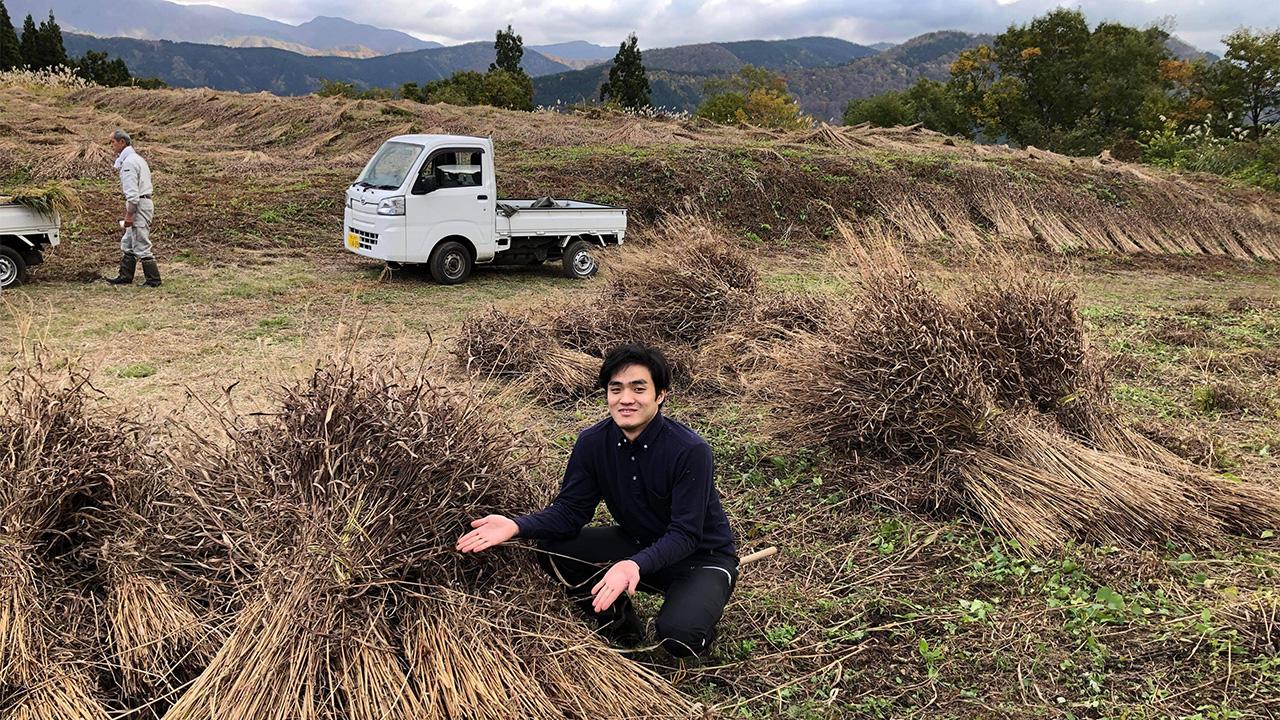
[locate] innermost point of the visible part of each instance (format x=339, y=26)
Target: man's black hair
x=636, y=354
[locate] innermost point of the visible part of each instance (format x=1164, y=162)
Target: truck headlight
x=391, y=206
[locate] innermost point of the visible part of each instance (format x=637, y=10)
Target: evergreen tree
x=628, y=84
x=97, y=68
x=30, y=39
x=49, y=44
x=510, y=48
x=10, y=47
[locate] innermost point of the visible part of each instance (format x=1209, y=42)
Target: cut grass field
x=868, y=610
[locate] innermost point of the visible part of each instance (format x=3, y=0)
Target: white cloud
x=675, y=22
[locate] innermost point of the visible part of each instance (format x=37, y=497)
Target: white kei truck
x=433, y=199
x=25, y=234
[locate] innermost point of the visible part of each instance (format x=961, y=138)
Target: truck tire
x=579, y=260
x=13, y=269
x=450, y=263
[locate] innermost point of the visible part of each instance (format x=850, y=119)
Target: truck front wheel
x=579, y=260
x=13, y=269
x=450, y=263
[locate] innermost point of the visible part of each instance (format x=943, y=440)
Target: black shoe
x=124, y=276
x=152, y=272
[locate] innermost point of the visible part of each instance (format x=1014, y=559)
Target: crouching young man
x=672, y=536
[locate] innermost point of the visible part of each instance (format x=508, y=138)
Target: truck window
x=390, y=165
x=455, y=168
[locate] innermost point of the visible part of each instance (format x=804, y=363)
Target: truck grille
x=366, y=239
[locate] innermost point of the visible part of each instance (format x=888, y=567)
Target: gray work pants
x=137, y=239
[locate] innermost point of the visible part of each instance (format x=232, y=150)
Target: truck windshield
x=390, y=165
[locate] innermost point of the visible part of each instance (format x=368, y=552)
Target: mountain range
x=162, y=20
x=208, y=46
x=249, y=69
x=823, y=73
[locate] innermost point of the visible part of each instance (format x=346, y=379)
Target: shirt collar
x=124, y=155
x=647, y=438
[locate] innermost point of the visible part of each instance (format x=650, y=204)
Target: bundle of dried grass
x=356, y=491
x=1031, y=333
x=158, y=637
x=50, y=199
x=80, y=159
x=90, y=604
x=904, y=376
x=1036, y=354
x=674, y=296
x=497, y=344
x=56, y=465
x=728, y=360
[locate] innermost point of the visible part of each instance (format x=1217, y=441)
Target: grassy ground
x=867, y=611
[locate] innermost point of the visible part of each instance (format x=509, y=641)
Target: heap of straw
x=1035, y=322
x=50, y=199
x=496, y=344
x=56, y=470
x=355, y=493
x=728, y=359
x=674, y=296
x=903, y=376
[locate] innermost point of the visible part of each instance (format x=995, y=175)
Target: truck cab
x=433, y=199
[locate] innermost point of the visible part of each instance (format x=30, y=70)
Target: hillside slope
x=931, y=187
x=823, y=92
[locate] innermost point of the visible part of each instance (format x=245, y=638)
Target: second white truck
x=25, y=235
x=433, y=199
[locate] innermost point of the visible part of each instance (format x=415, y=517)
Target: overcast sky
x=662, y=23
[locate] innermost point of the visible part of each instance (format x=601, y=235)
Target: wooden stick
x=759, y=555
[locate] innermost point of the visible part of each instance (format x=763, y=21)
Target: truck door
x=451, y=197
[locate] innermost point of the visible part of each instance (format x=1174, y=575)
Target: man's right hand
x=489, y=531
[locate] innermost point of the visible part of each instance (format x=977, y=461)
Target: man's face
x=117, y=145
x=632, y=400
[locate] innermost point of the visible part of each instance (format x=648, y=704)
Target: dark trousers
x=695, y=590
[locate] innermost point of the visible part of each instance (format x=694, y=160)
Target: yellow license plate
x=353, y=242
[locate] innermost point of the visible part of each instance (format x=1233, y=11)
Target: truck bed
x=21, y=220
x=565, y=217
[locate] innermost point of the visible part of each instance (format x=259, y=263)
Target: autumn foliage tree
x=755, y=96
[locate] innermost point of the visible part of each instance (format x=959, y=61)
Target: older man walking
x=135, y=182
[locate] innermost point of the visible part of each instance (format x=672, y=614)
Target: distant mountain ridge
x=823, y=92
x=677, y=74
x=163, y=20
x=287, y=73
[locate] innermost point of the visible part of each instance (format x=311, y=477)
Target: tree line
x=507, y=85
x=753, y=96
x=1058, y=84
x=40, y=47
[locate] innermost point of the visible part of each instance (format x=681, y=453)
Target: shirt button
x=646, y=447
x=633, y=458
x=633, y=477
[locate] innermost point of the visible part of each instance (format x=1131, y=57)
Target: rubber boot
x=128, y=264
x=152, y=272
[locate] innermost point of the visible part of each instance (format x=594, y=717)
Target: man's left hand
x=623, y=577
x=128, y=221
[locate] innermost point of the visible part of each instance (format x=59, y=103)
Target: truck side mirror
x=424, y=184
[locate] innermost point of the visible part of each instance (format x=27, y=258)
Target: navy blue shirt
x=660, y=490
